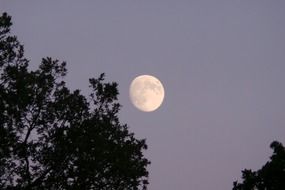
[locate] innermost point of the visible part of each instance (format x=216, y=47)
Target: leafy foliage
x=55, y=138
x=270, y=177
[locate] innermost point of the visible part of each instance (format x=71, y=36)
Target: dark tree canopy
x=270, y=177
x=55, y=138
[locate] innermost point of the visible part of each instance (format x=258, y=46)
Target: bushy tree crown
x=55, y=138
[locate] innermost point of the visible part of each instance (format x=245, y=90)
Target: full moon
x=146, y=93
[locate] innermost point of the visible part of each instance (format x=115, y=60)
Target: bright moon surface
x=146, y=93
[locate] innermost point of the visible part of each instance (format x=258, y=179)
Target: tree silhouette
x=55, y=138
x=270, y=177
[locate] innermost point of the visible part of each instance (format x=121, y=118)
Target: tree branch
x=28, y=169
x=27, y=135
x=26, y=155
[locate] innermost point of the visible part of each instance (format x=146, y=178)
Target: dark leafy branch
x=270, y=177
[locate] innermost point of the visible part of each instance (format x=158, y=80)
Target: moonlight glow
x=146, y=93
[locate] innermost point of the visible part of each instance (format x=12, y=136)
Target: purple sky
x=222, y=64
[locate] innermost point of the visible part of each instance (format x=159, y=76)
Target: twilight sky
x=222, y=64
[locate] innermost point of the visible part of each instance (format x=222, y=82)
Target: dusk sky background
x=222, y=64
